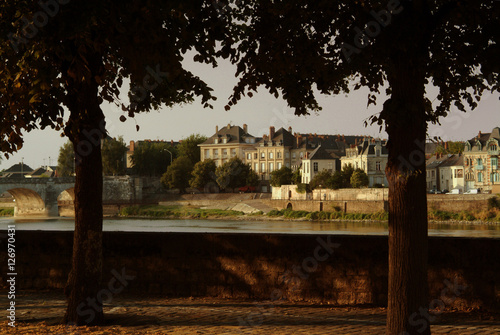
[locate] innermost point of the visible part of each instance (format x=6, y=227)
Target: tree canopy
x=408, y=48
x=66, y=160
x=203, y=175
x=178, y=174
x=189, y=147
x=114, y=158
x=359, y=179
x=234, y=173
x=152, y=158
x=62, y=59
x=281, y=176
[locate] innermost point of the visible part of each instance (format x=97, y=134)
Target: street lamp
x=170, y=155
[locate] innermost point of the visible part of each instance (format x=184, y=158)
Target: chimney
x=216, y=129
x=245, y=128
x=132, y=145
x=299, y=140
x=446, y=145
x=290, y=129
x=271, y=133
x=479, y=135
x=172, y=143
x=228, y=126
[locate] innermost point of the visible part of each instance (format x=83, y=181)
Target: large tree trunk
x=86, y=130
x=406, y=125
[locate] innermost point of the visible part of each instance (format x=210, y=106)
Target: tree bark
x=85, y=129
x=405, y=117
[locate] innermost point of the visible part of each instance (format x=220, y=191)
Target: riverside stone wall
x=336, y=269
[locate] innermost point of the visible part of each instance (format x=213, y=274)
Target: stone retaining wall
x=336, y=269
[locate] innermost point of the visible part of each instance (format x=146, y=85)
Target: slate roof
x=444, y=161
x=16, y=168
x=320, y=153
x=485, y=137
x=233, y=134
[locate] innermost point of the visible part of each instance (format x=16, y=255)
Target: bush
x=7, y=211
x=493, y=202
x=303, y=188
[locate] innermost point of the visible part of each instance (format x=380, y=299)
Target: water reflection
x=271, y=227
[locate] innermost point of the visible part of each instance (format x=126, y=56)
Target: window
x=287, y=154
x=256, y=167
x=216, y=140
x=207, y=153
x=255, y=155
x=249, y=156
x=216, y=153
x=278, y=154
x=262, y=167
x=224, y=140
x=494, y=162
x=271, y=167
x=279, y=165
x=495, y=177
x=479, y=161
x=233, y=152
x=301, y=154
x=377, y=166
x=293, y=155
x=432, y=174
x=271, y=155
x=315, y=166
x=224, y=152
x=480, y=177
x=262, y=154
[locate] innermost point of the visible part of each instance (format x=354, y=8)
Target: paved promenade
x=39, y=313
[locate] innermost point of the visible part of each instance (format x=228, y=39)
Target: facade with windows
x=226, y=143
x=481, y=161
x=271, y=153
x=318, y=160
x=444, y=173
x=371, y=156
x=274, y=150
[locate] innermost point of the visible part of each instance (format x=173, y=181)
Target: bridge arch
x=28, y=202
x=66, y=202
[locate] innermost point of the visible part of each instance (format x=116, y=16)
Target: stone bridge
x=44, y=196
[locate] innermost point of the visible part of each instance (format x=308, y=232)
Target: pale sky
x=340, y=115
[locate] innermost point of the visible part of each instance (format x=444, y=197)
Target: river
x=267, y=227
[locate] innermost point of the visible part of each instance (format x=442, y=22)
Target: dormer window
x=216, y=140
x=224, y=140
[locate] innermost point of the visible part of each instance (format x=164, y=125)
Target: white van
x=455, y=191
x=472, y=191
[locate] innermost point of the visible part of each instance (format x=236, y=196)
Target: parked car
x=455, y=191
x=246, y=189
x=472, y=191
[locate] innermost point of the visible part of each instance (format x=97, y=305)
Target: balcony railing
x=493, y=152
x=480, y=167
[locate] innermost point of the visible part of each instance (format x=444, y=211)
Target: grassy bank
x=158, y=211
x=181, y=212
x=7, y=211
x=290, y=214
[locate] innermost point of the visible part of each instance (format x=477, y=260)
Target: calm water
x=269, y=227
